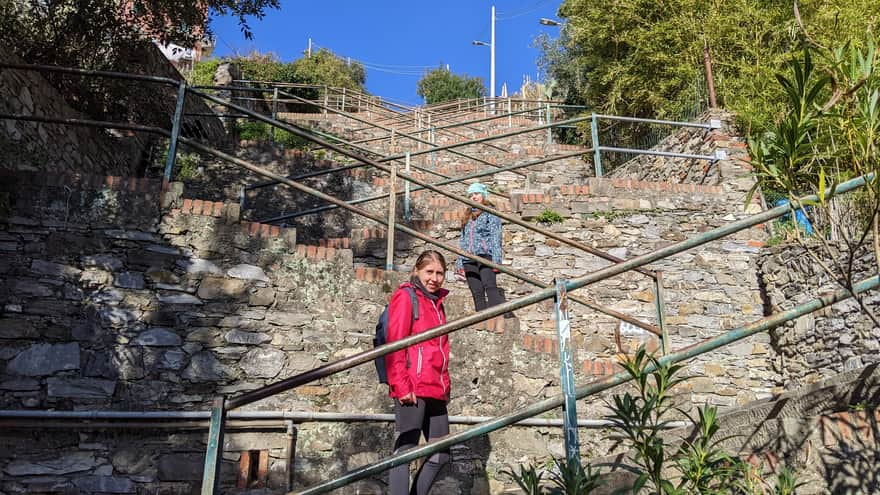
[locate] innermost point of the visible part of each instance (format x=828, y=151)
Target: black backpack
x=382, y=333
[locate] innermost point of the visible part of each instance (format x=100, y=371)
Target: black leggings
x=428, y=417
x=481, y=282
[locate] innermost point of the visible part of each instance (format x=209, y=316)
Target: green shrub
x=203, y=72
x=289, y=140
x=639, y=418
x=549, y=216
x=188, y=165
x=250, y=130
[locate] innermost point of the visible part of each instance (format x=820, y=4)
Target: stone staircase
x=624, y=216
x=206, y=299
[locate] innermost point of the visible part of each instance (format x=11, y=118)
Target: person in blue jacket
x=480, y=235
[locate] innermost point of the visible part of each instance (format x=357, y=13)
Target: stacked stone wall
x=121, y=295
x=68, y=149
x=56, y=148
x=821, y=344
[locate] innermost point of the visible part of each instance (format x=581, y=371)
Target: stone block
x=262, y=362
x=263, y=296
x=73, y=462
x=204, y=367
x=247, y=272
x=223, y=288
x=181, y=467
x=247, y=338
x=13, y=328
x=157, y=337
x=80, y=388
x=129, y=280
x=45, y=359
x=104, y=484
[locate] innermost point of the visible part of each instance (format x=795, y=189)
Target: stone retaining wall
x=56, y=148
x=119, y=295
x=822, y=344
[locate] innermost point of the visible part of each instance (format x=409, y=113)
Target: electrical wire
x=505, y=16
x=407, y=70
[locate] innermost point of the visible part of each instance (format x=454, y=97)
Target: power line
x=390, y=68
x=504, y=16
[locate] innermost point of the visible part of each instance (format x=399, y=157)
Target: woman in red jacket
x=418, y=375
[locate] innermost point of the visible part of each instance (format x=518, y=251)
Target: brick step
x=606, y=194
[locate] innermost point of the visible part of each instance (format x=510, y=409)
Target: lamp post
x=549, y=22
x=491, y=45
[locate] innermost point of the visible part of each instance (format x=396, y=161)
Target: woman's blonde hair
x=428, y=257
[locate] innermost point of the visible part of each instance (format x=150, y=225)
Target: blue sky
x=397, y=40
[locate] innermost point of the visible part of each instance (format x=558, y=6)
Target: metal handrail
x=451, y=180
x=218, y=413
x=408, y=136
x=306, y=135
x=593, y=388
x=89, y=72
x=402, y=228
x=7, y=415
x=591, y=278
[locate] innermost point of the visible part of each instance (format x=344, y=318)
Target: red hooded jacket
x=422, y=368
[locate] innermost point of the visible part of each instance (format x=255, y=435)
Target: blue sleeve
x=495, y=241
x=462, y=243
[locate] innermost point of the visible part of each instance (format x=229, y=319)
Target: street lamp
x=491, y=45
x=549, y=22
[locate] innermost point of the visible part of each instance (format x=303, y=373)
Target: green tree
x=325, y=68
x=322, y=68
x=828, y=133
x=645, y=58
x=440, y=85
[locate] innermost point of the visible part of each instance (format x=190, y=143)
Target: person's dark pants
x=481, y=282
x=428, y=417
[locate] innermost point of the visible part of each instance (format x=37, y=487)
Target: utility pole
x=492, y=60
x=310, y=49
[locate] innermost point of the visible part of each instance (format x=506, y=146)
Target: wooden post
x=710, y=83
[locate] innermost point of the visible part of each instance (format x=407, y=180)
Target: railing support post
x=175, y=131
x=661, y=311
x=549, y=129
x=433, y=143
x=566, y=372
x=406, y=191
x=213, y=457
x=343, y=100
x=274, y=111
x=509, y=115
x=392, y=206
x=597, y=155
